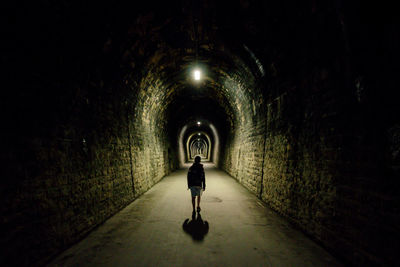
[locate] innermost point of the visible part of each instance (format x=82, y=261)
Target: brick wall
x=320, y=168
x=74, y=165
x=328, y=121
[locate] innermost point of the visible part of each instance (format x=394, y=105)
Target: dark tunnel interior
x=296, y=101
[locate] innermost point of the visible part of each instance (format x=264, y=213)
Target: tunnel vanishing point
x=293, y=99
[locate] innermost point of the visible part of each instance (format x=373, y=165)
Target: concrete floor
x=240, y=231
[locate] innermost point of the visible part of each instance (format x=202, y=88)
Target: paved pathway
x=235, y=229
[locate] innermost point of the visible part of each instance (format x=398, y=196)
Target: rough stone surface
x=311, y=161
x=74, y=179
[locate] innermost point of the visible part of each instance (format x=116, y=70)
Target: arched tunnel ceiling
x=166, y=44
x=152, y=42
x=227, y=80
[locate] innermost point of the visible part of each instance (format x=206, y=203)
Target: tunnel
x=293, y=100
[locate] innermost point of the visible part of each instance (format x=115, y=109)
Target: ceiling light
x=197, y=75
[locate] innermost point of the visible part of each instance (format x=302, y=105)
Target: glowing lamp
x=197, y=75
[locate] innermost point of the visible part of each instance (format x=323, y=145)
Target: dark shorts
x=196, y=191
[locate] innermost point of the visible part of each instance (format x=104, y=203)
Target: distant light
x=197, y=75
x=198, y=123
x=199, y=134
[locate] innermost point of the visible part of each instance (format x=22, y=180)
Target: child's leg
x=198, y=201
x=193, y=202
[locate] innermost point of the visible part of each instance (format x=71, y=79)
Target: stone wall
x=321, y=169
x=328, y=123
x=243, y=158
x=71, y=165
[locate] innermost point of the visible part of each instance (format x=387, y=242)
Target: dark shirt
x=196, y=176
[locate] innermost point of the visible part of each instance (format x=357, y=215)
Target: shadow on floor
x=197, y=228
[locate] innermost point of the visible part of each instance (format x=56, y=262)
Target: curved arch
x=211, y=131
x=199, y=147
x=190, y=141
